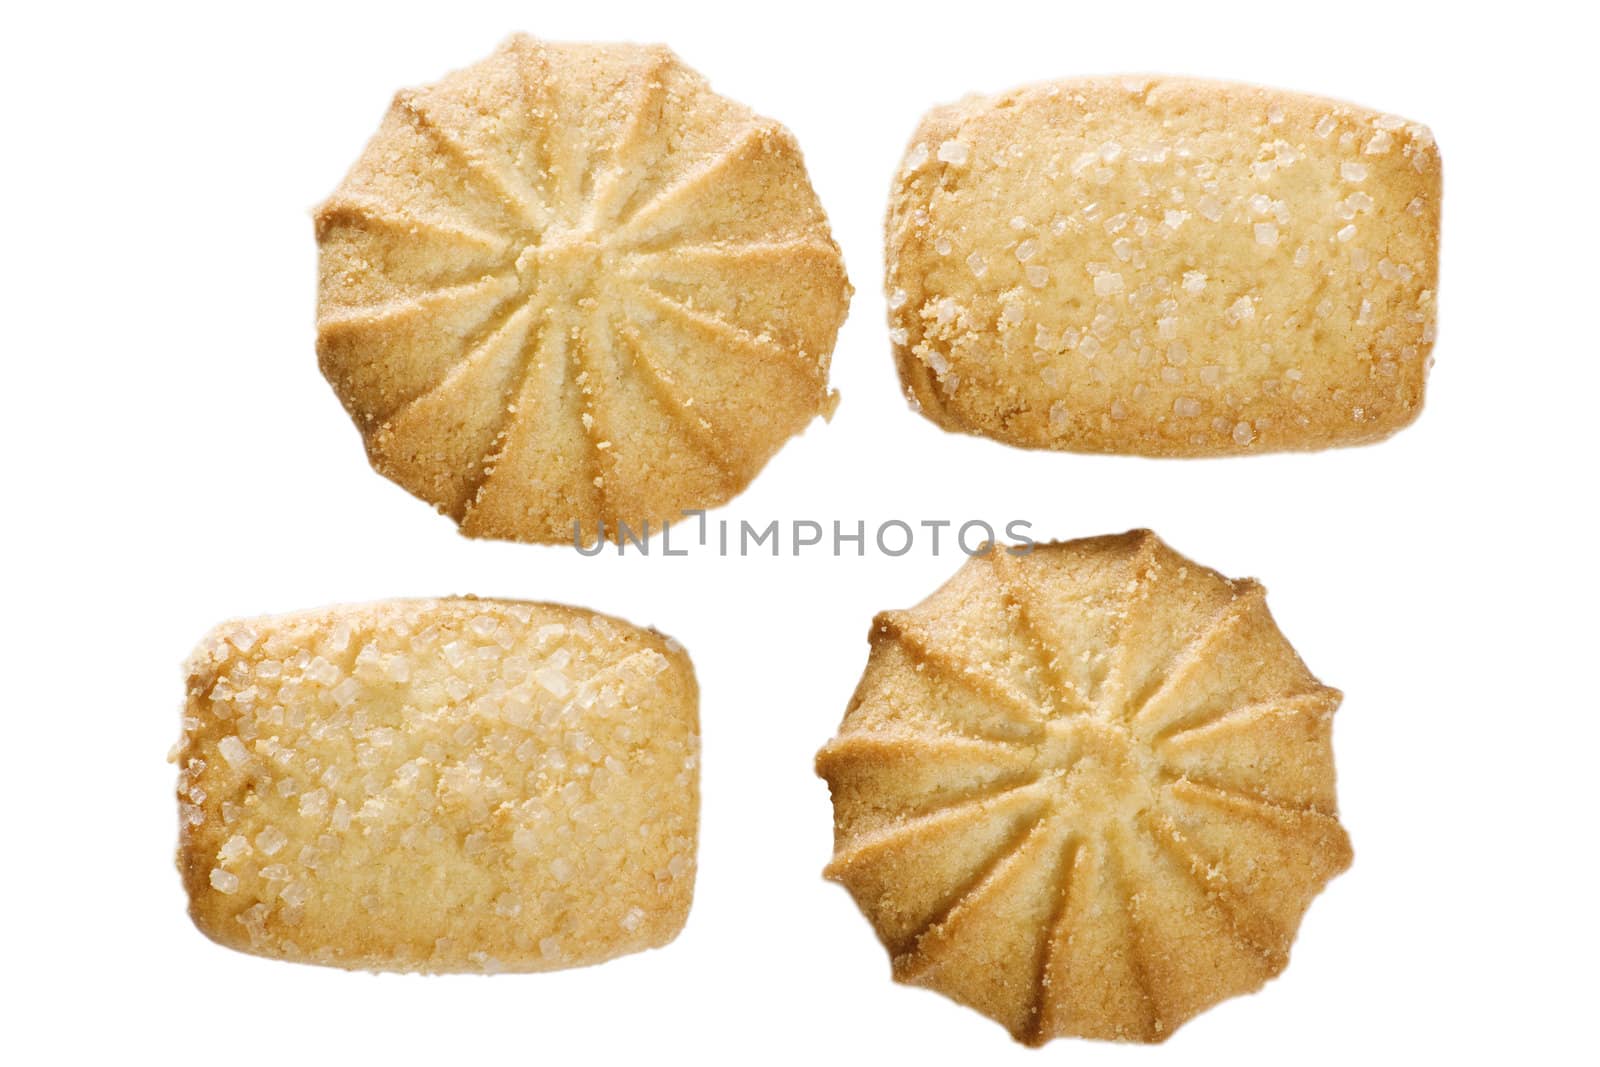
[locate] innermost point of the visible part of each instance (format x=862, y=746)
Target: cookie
x=439, y=785
x=1165, y=267
x=572, y=285
x=1087, y=791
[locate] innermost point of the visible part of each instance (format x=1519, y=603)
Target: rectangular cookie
x=1165, y=267
x=439, y=785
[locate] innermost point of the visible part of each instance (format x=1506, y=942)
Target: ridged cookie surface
x=1088, y=790
x=439, y=785
x=570, y=284
x=1165, y=267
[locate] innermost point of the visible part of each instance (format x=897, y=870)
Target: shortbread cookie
x=1165, y=267
x=439, y=785
x=571, y=284
x=1088, y=790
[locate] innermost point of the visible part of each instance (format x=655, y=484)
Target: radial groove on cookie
x=1253, y=928
x=498, y=111
x=1193, y=956
x=718, y=280
x=439, y=445
x=504, y=345
x=1046, y=653
x=577, y=161
x=879, y=779
x=755, y=348
x=944, y=707
x=1165, y=615
x=918, y=751
x=635, y=227
x=629, y=161
x=1251, y=737
x=738, y=256
x=742, y=207
x=902, y=627
x=1249, y=661
x=1075, y=622
x=694, y=146
x=702, y=452
x=543, y=447
x=1004, y=729
x=953, y=798
x=349, y=300
x=1188, y=954
x=483, y=294
x=1139, y=552
x=402, y=167
x=969, y=618
x=407, y=335
x=595, y=375
x=1152, y=1027
x=500, y=183
x=721, y=446
x=935, y=818
x=500, y=316
x=371, y=259
x=945, y=853
x=1003, y=921
x=612, y=116
x=1168, y=687
x=535, y=343
x=1270, y=869
x=697, y=349
x=533, y=100
x=1233, y=715
x=1085, y=990
x=918, y=952
x=352, y=209
x=642, y=439
x=1054, y=929
x=1278, y=814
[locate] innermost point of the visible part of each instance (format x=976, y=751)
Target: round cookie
x=1164, y=267
x=1088, y=790
x=572, y=285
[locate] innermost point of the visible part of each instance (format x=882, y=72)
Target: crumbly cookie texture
x=571, y=284
x=1087, y=791
x=439, y=785
x=1165, y=267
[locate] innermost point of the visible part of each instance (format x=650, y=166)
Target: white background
x=173, y=458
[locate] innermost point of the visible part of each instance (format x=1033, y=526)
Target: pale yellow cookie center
x=1098, y=767
x=564, y=268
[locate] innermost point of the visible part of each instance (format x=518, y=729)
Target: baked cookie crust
x=439, y=785
x=1087, y=791
x=1164, y=267
x=571, y=284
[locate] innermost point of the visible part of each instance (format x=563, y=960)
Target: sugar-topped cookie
x=1165, y=267
x=439, y=785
